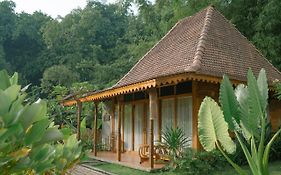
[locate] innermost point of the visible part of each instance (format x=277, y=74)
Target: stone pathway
x=81, y=170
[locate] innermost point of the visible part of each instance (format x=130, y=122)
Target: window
x=183, y=88
x=166, y=91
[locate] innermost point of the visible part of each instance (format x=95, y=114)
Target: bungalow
x=166, y=86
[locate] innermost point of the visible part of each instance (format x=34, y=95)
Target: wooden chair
x=160, y=153
x=144, y=153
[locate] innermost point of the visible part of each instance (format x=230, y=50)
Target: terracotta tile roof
x=205, y=43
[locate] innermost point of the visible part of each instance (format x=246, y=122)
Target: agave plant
x=30, y=143
x=175, y=141
x=243, y=111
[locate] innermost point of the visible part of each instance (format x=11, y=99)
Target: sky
x=51, y=7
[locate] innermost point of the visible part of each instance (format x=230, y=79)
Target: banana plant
x=244, y=112
x=30, y=143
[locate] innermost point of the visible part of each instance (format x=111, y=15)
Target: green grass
x=275, y=169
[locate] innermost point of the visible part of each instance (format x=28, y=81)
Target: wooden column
x=123, y=126
x=175, y=112
x=95, y=128
x=159, y=120
x=113, y=146
x=175, y=107
x=144, y=123
x=153, y=109
x=133, y=126
x=195, y=107
x=79, y=110
x=113, y=116
x=119, y=129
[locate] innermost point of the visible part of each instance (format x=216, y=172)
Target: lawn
x=275, y=169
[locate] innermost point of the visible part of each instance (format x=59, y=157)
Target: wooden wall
x=275, y=113
x=199, y=91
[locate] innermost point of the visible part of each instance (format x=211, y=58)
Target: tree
x=268, y=32
x=58, y=75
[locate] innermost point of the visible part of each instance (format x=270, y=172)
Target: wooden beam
x=170, y=79
x=195, y=107
x=153, y=109
x=140, y=86
x=95, y=128
x=119, y=131
x=79, y=111
x=133, y=127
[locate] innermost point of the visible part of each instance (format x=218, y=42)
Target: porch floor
x=130, y=159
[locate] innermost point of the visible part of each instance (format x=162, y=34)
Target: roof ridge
x=177, y=23
x=196, y=64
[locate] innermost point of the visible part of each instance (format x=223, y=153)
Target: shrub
x=30, y=143
x=200, y=162
x=275, y=151
x=175, y=141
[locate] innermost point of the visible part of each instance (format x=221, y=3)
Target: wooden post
x=119, y=129
x=133, y=127
x=153, y=108
x=195, y=107
x=159, y=120
x=123, y=127
x=175, y=112
x=144, y=123
x=79, y=110
x=95, y=128
x=113, y=148
x=175, y=107
x=113, y=116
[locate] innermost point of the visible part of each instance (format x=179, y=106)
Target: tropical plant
x=278, y=89
x=200, y=162
x=30, y=143
x=244, y=112
x=175, y=141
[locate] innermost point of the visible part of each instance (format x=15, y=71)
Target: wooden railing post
x=79, y=110
x=95, y=128
x=153, y=108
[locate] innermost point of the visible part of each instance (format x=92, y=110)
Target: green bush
x=30, y=143
x=275, y=151
x=201, y=162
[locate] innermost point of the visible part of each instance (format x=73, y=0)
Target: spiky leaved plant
x=243, y=111
x=175, y=141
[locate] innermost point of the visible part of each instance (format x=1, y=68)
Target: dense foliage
x=200, y=162
x=30, y=142
x=242, y=111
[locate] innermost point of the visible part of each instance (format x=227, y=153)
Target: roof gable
x=205, y=43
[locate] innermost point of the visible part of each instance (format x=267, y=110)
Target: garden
x=32, y=143
x=90, y=49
